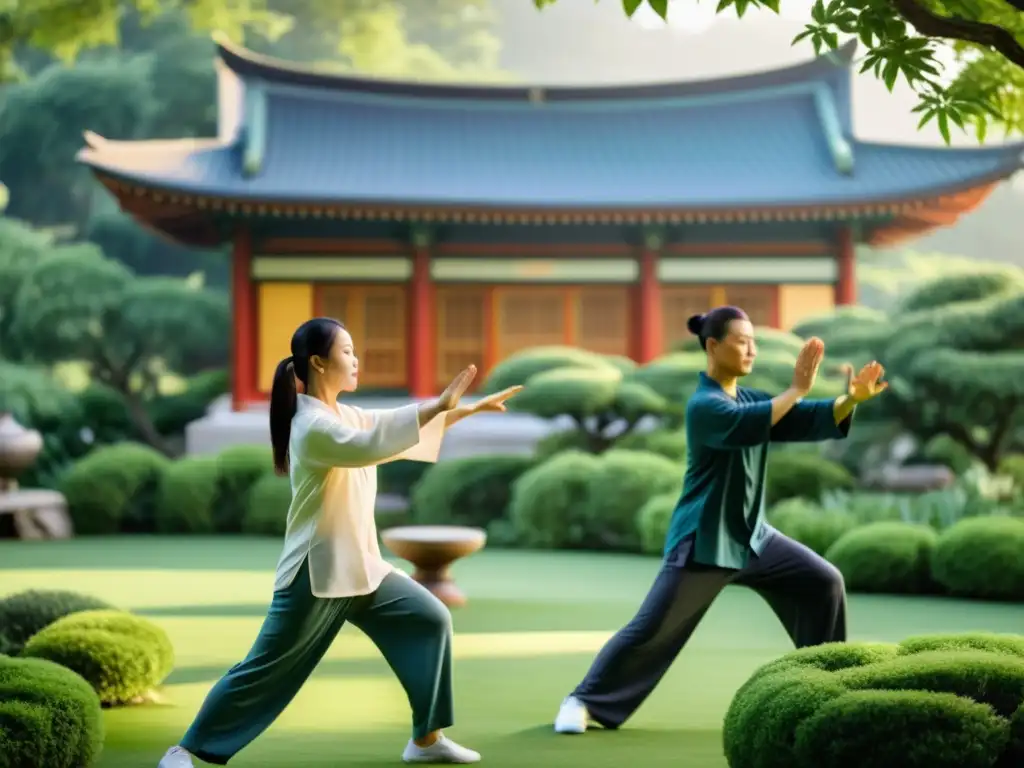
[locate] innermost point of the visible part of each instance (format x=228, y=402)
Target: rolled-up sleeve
x=388, y=434
x=811, y=421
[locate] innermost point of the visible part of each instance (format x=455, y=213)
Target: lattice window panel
x=530, y=317
x=376, y=316
x=758, y=301
x=602, y=319
x=678, y=303
x=462, y=325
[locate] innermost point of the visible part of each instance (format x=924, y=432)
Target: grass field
x=533, y=624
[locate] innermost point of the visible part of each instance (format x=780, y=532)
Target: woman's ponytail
x=283, y=401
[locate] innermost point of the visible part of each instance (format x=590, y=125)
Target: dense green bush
x=187, y=496
x=470, y=491
x=113, y=489
x=623, y=484
x=930, y=702
x=805, y=474
x=517, y=368
x=809, y=524
x=172, y=413
x=982, y=557
x=122, y=656
x=238, y=468
x=670, y=443
x=548, y=508
x=49, y=716
x=267, y=505
x=886, y=557
x=399, y=477
x=1012, y=466
x=23, y=614
x=653, y=520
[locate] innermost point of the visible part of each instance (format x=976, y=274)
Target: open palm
x=867, y=383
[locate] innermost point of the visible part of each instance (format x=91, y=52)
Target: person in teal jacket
x=718, y=534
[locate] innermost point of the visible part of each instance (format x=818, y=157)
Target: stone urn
x=19, y=449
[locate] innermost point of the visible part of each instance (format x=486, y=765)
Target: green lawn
x=533, y=624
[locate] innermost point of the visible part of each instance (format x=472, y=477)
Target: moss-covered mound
x=946, y=701
x=49, y=716
x=123, y=656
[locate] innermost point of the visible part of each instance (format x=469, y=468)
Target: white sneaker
x=444, y=750
x=176, y=757
x=572, y=716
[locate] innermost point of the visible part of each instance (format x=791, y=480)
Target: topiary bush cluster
x=803, y=474
x=122, y=656
x=578, y=500
x=49, y=716
x=267, y=506
x=949, y=701
x=978, y=557
x=24, y=614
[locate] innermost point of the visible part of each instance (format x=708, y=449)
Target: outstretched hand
x=805, y=372
x=496, y=403
x=449, y=399
x=867, y=383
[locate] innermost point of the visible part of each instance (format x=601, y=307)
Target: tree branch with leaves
x=907, y=38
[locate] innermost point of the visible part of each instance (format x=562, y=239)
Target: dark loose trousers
x=805, y=591
x=410, y=626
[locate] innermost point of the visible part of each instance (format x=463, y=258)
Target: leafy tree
x=406, y=37
x=903, y=39
x=79, y=305
x=21, y=249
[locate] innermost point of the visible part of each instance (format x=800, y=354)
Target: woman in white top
x=331, y=570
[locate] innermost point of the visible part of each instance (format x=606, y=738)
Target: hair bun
x=695, y=324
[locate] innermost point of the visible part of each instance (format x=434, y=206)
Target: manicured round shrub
x=670, y=443
x=186, y=496
x=519, y=367
x=624, y=482
x=809, y=524
x=267, y=505
x=803, y=474
x=25, y=613
x=113, y=489
x=652, y=522
x=983, y=558
x=122, y=656
x=886, y=557
x=470, y=491
x=929, y=702
x=400, y=477
x=49, y=716
x=238, y=469
x=548, y=505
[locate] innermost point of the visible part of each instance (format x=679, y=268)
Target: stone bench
x=38, y=514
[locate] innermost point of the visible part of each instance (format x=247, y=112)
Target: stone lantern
x=38, y=513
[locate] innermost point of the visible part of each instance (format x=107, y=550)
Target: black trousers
x=805, y=591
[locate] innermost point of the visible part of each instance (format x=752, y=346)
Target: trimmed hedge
x=930, y=702
x=267, y=503
x=809, y=524
x=982, y=558
x=122, y=656
x=471, y=491
x=113, y=489
x=886, y=557
x=548, y=505
x=624, y=483
x=24, y=614
x=187, y=496
x=652, y=522
x=803, y=474
x=49, y=716
x=238, y=469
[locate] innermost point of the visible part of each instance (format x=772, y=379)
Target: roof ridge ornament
x=828, y=115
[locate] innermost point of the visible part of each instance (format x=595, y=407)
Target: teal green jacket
x=722, y=503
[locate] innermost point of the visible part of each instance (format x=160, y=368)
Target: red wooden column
x=647, y=320
x=422, y=334
x=243, y=310
x=846, y=263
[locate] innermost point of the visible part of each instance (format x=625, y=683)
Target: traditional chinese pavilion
x=454, y=223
